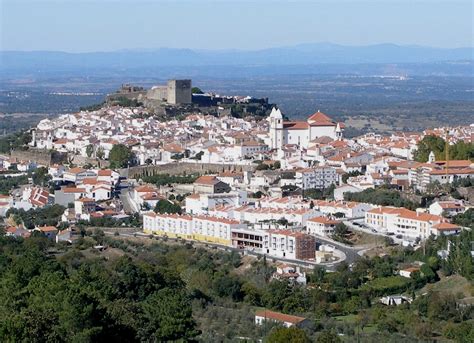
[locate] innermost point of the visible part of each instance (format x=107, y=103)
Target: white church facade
x=302, y=133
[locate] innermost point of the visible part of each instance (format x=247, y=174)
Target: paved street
x=125, y=196
x=350, y=252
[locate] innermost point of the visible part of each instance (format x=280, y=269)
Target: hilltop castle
x=302, y=133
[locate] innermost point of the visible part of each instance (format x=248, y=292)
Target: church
x=302, y=133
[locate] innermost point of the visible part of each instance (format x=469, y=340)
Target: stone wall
x=183, y=168
x=81, y=161
x=40, y=156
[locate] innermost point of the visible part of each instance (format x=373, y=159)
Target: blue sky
x=104, y=25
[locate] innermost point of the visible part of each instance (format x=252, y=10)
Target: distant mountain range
x=298, y=55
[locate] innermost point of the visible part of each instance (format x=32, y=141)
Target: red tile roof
x=320, y=119
x=296, y=125
x=281, y=317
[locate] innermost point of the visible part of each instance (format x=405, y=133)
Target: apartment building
x=254, y=215
x=427, y=173
x=203, y=203
x=289, y=244
x=199, y=228
x=409, y=224
x=318, y=177
x=350, y=209
x=321, y=226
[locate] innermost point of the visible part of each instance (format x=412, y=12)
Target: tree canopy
x=196, y=90
x=458, y=151
x=166, y=206
x=285, y=335
x=121, y=156
x=380, y=196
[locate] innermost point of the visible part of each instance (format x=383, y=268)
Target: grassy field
x=353, y=319
x=454, y=284
x=366, y=239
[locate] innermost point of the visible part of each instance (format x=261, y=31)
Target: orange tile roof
x=324, y=220
x=104, y=172
x=295, y=125
x=76, y=170
x=446, y=226
x=74, y=190
x=48, y=228
x=145, y=189
x=217, y=219
x=206, y=180
x=281, y=317
x=320, y=119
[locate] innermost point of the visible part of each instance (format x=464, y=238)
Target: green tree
x=285, y=335
x=458, y=151
x=228, y=286
x=380, y=196
x=89, y=150
x=350, y=174
x=120, y=156
x=328, y=336
x=340, y=230
x=166, y=206
x=167, y=316
x=41, y=177
x=196, y=90
x=428, y=144
x=100, y=153
x=465, y=219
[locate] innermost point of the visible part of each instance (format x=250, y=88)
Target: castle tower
x=276, y=128
x=179, y=92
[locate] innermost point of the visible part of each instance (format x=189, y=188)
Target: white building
x=301, y=133
x=321, y=226
x=317, y=177
x=203, y=203
x=350, y=209
x=289, y=244
x=409, y=224
x=199, y=228
x=447, y=208
x=424, y=174
x=297, y=217
x=342, y=189
x=286, y=320
x=77, y=174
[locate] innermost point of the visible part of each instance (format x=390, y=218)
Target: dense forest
x=147, y=290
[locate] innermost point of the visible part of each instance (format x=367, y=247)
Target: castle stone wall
x=183, y=168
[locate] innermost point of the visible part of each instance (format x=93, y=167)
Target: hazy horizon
x=150, y=49
x=106, y=26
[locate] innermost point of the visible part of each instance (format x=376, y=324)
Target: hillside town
x=286, y=189
x=236, y=171
x=296, y=193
